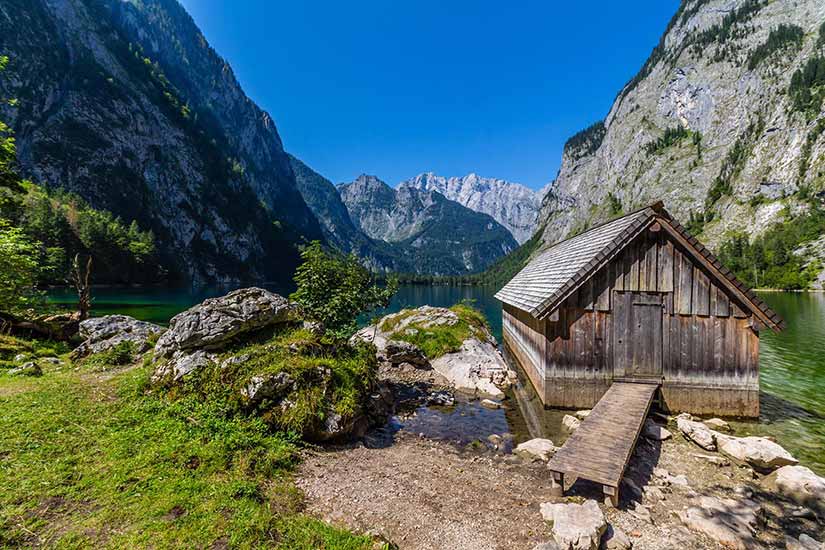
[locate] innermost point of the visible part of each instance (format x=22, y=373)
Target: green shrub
x=334, y=290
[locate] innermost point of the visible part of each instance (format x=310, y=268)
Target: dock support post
x=611, y=495
x=557, y=484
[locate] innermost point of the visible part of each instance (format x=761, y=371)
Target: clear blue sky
x=397, y=88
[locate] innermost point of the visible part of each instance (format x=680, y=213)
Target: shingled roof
x=541, y=286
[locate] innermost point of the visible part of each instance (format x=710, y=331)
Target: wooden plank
x=722, y=303
x=617, y=271
x=685, y=288
x=701, y=293
x=651, y=266
x=665, y=277
x=602, y=288
x=631, y=280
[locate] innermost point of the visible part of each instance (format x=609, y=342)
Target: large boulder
x=804, y=542
x=761, y=453
x=104, y=333
x=476, y=367
x=696, y=432
x=213, y=323
x=536, y=449
x=576, y=526
x=731, y=523
x=801, y=485
x=182, y=363
x=570, y=423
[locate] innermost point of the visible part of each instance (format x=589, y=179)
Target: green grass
x=91, y=460
x=11, y=346
x=440, y=340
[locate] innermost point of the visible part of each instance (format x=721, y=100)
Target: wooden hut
x=635, y=299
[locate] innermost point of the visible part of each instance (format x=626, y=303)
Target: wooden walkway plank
x=601, y=446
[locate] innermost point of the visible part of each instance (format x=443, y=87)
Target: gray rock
x=213, y=323
x=26, y=369
x=731, y=523
x=549, y=545
x=761, y=453
x=20, y=357
x=570, y=423
x=581, y=415
x=801, y=485
x=575, y=526
x=182, y=363
x=398, y=351
x=104, y=333
x=267, y=386
x=51, y=360
x=490, y=404
x=616, y=539
x=442, y=398
x=804, y=542
x=696, y=432
x=536, y=449
x=235, y=360
x=654, y=431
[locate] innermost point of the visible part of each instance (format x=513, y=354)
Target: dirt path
x=424, y=494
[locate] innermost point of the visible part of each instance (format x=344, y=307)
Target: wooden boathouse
x=637, y=298
x=627, y=311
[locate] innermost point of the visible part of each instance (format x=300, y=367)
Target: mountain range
x=126, y=104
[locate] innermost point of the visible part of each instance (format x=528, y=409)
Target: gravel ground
x=425, y=494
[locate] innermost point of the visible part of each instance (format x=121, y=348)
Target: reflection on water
x=792, y=365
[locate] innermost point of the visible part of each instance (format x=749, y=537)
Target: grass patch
x=101, y=462
x=440, y=340
x=10, y=347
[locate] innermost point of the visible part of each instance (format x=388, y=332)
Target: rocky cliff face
x=126, y=104
x=512, y=205
x=714, y=124
x=436, y=235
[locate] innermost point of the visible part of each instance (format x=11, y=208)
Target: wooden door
x=638, y=319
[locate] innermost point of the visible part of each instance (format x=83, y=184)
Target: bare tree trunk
x=81, y=283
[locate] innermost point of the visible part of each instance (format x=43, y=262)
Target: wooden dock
x=601, y=446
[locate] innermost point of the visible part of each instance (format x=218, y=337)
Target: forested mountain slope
x=127, y=105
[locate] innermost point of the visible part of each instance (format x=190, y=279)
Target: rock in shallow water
x=576, y=526
x=570, y=423
x=536, y=449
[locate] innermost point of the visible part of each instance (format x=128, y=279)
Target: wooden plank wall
x=524, y=336
x=707, y=339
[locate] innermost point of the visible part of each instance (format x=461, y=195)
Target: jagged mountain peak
x=511, y=204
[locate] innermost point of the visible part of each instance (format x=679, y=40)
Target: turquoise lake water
x=792, y=363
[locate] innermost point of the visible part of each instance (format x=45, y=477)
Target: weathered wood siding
x=709, y=352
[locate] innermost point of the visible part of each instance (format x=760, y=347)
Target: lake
x=792, y=363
